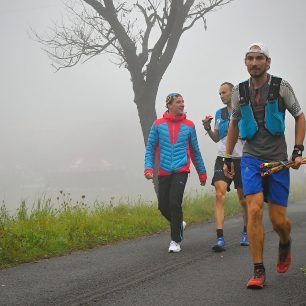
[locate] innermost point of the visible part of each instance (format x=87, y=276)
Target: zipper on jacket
x=173, y=128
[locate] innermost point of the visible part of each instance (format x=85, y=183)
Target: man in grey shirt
x=259, y=106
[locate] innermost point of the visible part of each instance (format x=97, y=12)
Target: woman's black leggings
x=170, y=197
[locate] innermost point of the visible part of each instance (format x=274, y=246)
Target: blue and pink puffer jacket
x=173, y=141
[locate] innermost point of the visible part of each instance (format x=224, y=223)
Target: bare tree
x=142, y=35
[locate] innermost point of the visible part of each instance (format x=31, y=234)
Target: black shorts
x=219, y=173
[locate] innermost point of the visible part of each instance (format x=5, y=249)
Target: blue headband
x=173, y=94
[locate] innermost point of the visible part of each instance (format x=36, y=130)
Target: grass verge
x=44, y=230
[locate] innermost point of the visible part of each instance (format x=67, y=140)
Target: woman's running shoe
x=174, y=247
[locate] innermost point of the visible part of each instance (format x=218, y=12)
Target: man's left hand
x=297, y=156
x=297, y=162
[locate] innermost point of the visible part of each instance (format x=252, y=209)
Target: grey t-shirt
x=264, y=145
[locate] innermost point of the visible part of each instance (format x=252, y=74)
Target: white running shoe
x=174, y=247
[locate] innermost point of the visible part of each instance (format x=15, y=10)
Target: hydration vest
x=274, y=119
x=223, y=121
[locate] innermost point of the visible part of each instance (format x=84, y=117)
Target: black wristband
x=299, y=147
x=296, y=153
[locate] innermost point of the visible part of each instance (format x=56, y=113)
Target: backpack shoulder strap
x=224, y=113
x=244, y=93
x=274, y=88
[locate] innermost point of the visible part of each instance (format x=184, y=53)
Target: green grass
x=46, y=230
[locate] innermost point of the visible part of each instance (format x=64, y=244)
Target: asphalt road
x=141, y=272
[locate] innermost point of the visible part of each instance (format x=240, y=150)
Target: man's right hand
x=149, y=176
x=206, y=122
x=228, y=167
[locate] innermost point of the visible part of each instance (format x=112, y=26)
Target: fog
x=78, y=130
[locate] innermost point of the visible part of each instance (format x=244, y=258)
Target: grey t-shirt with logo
x=264, y=145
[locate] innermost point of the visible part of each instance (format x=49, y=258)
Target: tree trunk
x=146, y=110
x=147, y=114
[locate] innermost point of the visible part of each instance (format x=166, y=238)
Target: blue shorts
x=275, y=187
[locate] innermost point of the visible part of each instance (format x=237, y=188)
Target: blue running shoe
x=244, y=239
x=220, y=245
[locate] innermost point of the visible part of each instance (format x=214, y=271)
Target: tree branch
x=162, y=41
x=200, y=9
x=109, y=26
x=150, y=21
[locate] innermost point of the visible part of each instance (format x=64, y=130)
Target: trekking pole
x=270, y=164
x=278, y=166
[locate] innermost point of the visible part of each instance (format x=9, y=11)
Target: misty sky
x=77, y=130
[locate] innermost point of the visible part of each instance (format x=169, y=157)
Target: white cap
x=258, y=48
